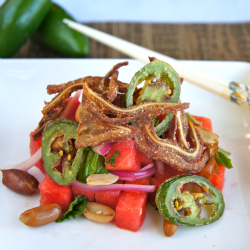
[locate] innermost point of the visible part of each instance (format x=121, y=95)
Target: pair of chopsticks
x=229, y=90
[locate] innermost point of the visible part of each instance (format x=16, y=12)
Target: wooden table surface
x=225, y=42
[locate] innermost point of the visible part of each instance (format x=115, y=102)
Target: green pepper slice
x=65, y=128
x=185, y=208
x=156, y=71
x=19, y=19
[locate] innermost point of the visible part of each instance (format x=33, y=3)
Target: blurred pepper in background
x=20, y=19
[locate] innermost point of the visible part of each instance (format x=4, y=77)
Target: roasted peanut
x=19, y=181
x=101, y=179
x=99, y=213
x=169, y=228
x=42, y=215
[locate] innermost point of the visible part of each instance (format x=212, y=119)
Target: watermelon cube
x=131, y=210
x=144, y=160
x=206, y=122
x=129, y=158
x=108, y=197
x=218, y=180
x=87, y=194
x=34, y=146
x=143, y=181
x=51, y=192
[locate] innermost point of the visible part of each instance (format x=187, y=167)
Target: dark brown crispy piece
x=109, y=84
x=92, y=132
x=105, y=80
x=100, y=107
x=113, y=87
x=54, y=89
x=170, y=151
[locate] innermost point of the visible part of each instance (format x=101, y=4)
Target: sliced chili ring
x=66, y=129
x=185, y=208
x=156, y=70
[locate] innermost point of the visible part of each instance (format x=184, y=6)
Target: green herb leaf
x=76, y=208
x=223, y=158
x=191, y=119
x=112, y=159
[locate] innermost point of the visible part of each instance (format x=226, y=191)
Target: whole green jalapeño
x=65, y=130
x=185, y=208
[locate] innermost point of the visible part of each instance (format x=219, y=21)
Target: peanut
x=99, y=213
x=19, y=181
x=169, y=228
x=42, y=215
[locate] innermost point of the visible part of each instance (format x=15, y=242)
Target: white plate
x=23, y=90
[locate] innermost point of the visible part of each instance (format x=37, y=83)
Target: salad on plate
x=120, y=147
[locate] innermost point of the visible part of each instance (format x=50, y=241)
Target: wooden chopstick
x=229, y=90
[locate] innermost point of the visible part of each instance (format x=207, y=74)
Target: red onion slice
x=150, y=165
x=102, y=149
x=71, y=104
x=131, y=176
x=27, y=164
x=124, y=187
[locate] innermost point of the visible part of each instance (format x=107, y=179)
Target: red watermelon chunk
x=87, y=194
x=206, y=122
x=218, y=180
x=129, y=158
x=51, y=192
x=131, y=210
x=143, y=181
x=144, y=160
x=108, y=197
x=157, y=181
x=34, y=146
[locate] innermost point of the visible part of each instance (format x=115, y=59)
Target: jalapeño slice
x=66, y=130
x=162, y=84
x=185, y=208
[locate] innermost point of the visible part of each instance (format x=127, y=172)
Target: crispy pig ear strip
x=113, y=87
x=92, y=132
x=105, y=81
x=57, y=88
x=169, y=151
x=182, y=129
x=55, y=107
x=125, y=115
x=136, y=112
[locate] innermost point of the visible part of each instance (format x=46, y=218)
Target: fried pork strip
x=100, y=107
x=170, y=151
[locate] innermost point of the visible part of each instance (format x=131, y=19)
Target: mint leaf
x=223, y=158
x=112, y=159
x=191, y=119
x=76, y=208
